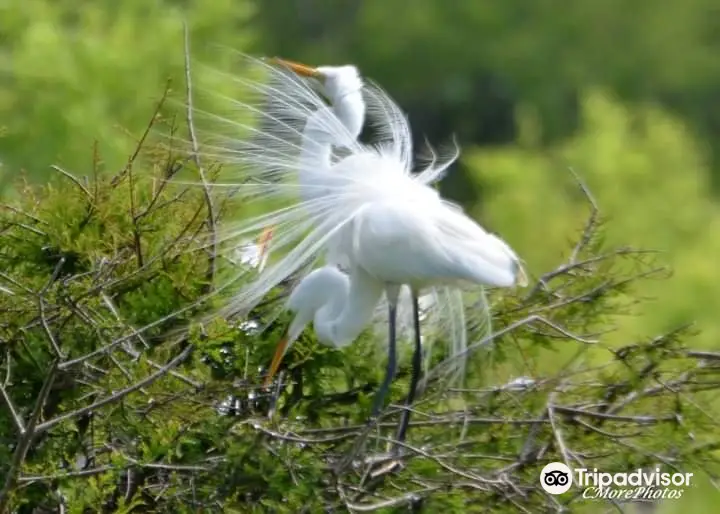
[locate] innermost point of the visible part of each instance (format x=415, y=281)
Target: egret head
x=322, y=290
x=342, y=86
x=340, y=81
x=337, y=81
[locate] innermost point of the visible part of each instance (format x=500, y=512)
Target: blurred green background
x=625, y=93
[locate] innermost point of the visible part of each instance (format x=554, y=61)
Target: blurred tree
x=460, y=67
x=71, y=76
x=651, y=182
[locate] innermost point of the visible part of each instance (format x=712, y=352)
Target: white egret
x=383, y=222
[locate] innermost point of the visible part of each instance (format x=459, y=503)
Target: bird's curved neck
x=345, y=315
x=319, y=139
x=334, y=305
x=349, y=108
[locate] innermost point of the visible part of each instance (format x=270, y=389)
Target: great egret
x=383, y=222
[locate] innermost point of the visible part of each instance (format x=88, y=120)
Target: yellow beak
x=277, y=358
x=301, y=69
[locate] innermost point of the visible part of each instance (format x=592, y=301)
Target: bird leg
x=416, y=371
x=393, y=464
x=391, y=363
x=381, y=392
x=414, y=380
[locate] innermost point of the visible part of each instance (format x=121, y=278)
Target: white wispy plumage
x=373, y=192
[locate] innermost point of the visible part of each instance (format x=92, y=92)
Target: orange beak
x=277, y=358
x=301, y=69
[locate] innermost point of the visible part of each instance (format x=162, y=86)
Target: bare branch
x=74, y=180
x=115, y=397
x=27, y=438
x=196, y=157
x=591, y=221
x=13, y=411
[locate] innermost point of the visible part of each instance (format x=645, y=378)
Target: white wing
x=423, y=245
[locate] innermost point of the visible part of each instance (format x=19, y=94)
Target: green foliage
x=147, y=413
x=650, y=181
x=94, y=74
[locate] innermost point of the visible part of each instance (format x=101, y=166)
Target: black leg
x=416, y=371
x=391, y=365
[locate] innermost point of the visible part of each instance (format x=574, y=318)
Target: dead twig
x=201, y=171
x=27, y=437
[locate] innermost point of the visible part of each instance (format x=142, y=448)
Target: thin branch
x=41, y=307
x=457, y=418
x=614, y=417
x=70, y=474
x=591, y=221
x=46, y=328
x=27, y=437
x=394, y=502
x=447, y=467
x=557, y=434
x=564, y=332
x=196, y=158
x=13, y=411
x=711, y=356
x=74, y=180
x=119, y=394
x=434, y=373
x=131, y=161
